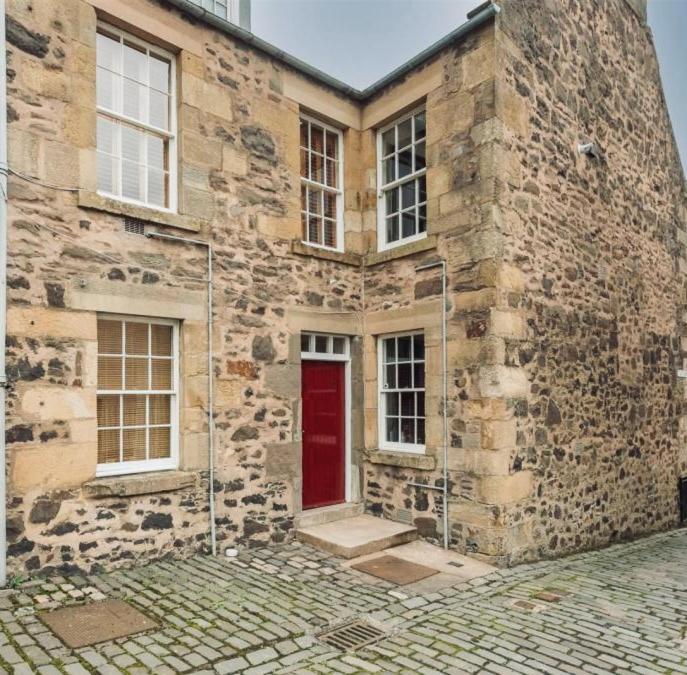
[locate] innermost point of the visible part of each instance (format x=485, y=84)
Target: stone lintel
x=402, y=251
x=404, y=459
x=345, y=258
x=92, y=200
x=140, y=484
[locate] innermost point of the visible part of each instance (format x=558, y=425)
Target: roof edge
x=232, y=29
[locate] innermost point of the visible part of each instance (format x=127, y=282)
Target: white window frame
x=338, y=190
x=329, y=354
x=382, y=244
x=144, y=466
x=169, y=134
x=231, y=6
x=383, y=444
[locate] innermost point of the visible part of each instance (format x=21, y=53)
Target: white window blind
x=136, y=120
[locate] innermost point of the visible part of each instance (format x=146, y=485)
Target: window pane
x=108, y=173
x=392, y=429
x=160, y=446
x=304, y=164
x=392, y=228
x=420, y=439
x=420, y=162
x=134, y=100
x=132, y=181
x=109, y=372
x=134, y=445
x=408, y=194
x=159, y=409
x=162, y=374
x=389, y=170
x=157, y=193
x=339, y=345
x=134, y=410
x=136, y=374
x=108, y=446
x=329, y=205
x=135, y=63
x=136, y=340
x=391, y=197
x=408, y=224
x=161, y=340
x=108, y=89
x=329, y=233
x=159, y=74
x=405, y=380
x=332, y=144
x=422, y=189
x=390, y=381
x=304, y=134
x=321, y=344
x=419, y=347
x=317, y=139
x=420, y=399
x=420, y=125
x=408, y=404
x=158, y=114
x=422, y=219
x=305, y=342
x=108, y=411
x=392, y=404
x=314, y=201
x=405, y=163
x=107, y=135
x=407, y=430
x=419, y=375
x=314, y=228
x=405, y=131
x=404, y=347
x=388, y=142
x=133, y=144
x=108, y=52
x=317, y=168
x=109, y=337
x=390, y=350
x=332, y=175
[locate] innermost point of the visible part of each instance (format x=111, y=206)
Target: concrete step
x=356, y=536
x=328, y=514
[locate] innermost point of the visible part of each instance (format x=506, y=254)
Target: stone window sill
x=402, y=459
x=140, y=484
x=299, y=248
x=426, y=244
x=96, y=202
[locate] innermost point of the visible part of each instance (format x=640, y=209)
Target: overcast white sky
x=359, y=41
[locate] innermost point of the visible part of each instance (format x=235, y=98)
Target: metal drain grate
x=134, y=225
x=351, y=636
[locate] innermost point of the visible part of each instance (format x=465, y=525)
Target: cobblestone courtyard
x=620, y=610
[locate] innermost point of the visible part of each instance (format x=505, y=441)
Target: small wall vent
x=134, y=226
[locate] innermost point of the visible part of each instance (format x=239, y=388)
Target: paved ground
x=622, y=610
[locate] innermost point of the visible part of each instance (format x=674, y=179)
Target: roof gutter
x=208, y=17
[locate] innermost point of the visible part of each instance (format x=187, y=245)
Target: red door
x=324, y=474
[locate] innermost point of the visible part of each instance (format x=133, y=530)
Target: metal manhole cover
x=351, y=636
x=83, y=625
x=396, y=570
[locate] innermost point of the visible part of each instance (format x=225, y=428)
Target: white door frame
x=344, y=358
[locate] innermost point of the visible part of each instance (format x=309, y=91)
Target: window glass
x=320, y=184
x=136, y=395
x=403, y=184
x=134, y=134
x=402, y=397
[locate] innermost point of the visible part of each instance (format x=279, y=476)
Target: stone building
x=312, y=214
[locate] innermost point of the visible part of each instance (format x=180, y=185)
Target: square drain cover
x=396, y=570
x=351, y=636
x=83, y=625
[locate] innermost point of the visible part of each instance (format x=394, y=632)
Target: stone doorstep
x=328, y=514
x=356, y=536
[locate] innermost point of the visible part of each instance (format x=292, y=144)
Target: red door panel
x=323, y=433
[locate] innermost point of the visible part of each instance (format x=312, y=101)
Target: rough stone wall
x=70, y=258
x=599, y=423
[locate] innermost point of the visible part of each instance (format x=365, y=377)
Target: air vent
x=351, y=636
x=404, y=516
x=134, y=226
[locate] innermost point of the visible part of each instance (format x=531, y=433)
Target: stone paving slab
x=621, y=610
